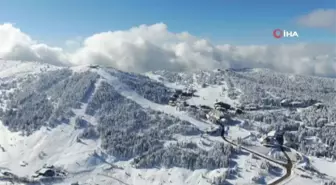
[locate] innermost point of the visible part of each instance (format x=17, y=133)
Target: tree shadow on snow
x=276, y=171
x=233, y=122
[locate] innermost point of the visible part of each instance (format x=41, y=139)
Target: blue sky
x=222, y=21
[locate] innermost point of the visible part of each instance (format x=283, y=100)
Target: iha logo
x=279, y=33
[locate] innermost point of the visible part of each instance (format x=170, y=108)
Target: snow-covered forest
x=300, y=118
x=128, y=114
x=126, y=129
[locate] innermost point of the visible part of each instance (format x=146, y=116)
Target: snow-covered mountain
x=98, y=125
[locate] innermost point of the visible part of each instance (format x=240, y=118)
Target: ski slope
x=60, y=146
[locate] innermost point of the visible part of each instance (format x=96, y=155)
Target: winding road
x=288, y=166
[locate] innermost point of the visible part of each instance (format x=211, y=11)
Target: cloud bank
x=154, y=47
x=320, y=18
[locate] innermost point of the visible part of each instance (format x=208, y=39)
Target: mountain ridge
x=100, y=116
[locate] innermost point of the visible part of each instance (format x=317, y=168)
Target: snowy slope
x=59, y=146
x=88, y=111
x=17, y=68
x=265, y=89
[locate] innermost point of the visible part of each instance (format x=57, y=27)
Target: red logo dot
x=277, y=33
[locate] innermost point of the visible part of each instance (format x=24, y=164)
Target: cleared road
x=288, y=166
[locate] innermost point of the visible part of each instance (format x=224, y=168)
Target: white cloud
x=74, y=43
x=153, y=47
x=16, y=45
x=320, y=18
